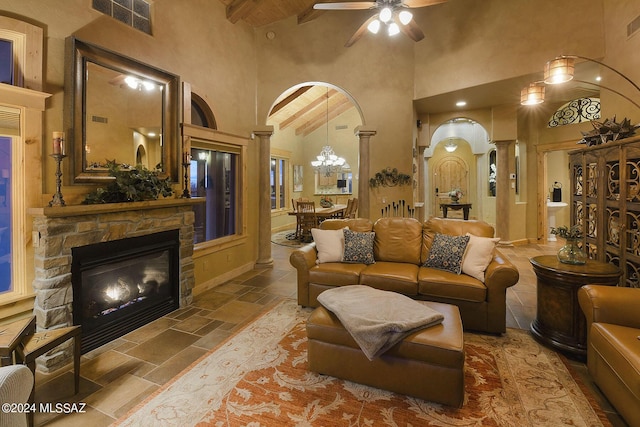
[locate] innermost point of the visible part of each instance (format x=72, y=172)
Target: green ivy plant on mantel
x=389, y=178
x=130, y=185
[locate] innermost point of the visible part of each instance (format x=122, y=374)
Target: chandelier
x=328, y=163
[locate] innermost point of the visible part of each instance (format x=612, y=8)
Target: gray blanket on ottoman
x=377, y=320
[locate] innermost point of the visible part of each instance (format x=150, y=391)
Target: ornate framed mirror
x=118, y=109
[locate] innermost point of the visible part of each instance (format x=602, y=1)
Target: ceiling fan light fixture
x=405, y=17
x=374, y=26
x=386, y=14
x=393, y=29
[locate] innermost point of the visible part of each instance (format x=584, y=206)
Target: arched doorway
x=458, y=158
x=307, y=118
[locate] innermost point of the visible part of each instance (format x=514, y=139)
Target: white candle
x=58, y=142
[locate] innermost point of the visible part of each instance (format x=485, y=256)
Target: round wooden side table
x=559, y=321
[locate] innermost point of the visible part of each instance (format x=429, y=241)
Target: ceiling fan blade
x=359, y=32
x=422, y=3
x=347, y=5
x=413, y=31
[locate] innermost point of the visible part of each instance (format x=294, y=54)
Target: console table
x=456, y=207
x=559, y=321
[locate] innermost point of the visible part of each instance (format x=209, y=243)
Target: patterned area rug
x=287, y=238
x=259, y=377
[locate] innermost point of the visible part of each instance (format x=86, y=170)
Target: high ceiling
x=257, y=13
x=306, y=108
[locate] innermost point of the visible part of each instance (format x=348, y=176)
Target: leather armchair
x=613, y=345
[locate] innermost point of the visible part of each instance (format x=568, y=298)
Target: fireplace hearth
x=123, y=284
x=60, y=233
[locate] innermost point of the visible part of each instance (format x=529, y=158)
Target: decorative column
x=503, y=193
x=364, y=134
x=264, y=194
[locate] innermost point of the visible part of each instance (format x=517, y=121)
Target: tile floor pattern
x=119, y=375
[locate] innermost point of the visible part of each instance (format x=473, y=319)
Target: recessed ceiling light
x=461, y=103
x=598, y=78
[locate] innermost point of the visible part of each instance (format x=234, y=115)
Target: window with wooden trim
x=215, y=176
x=279, y=182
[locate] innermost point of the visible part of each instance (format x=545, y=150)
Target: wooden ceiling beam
x=240, y=9
x=289, y=99
x=308, y=108
x=309, y=14
x=320, y=120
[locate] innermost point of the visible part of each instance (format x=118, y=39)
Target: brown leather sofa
x=613, y=345
x=400, y=248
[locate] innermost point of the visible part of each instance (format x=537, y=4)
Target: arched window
x=577, y=111
x=201, y=114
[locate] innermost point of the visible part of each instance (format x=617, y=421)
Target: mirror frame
x=78, y=54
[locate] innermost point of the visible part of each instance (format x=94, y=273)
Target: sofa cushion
x=478, y=255
x=618, y=346
x=447, y=252
x=329, y=243
x=391, y=276
x=453, y=227
x=358, y=247
x=444, y=284
x=336, y=274
x=398, y=240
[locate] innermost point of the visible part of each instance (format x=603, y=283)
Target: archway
x=458, y=158
x=306, y=118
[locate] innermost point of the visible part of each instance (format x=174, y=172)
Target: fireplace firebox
x=123, y=284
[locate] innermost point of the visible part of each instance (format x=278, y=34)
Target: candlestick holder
x=57, y=197
x=185, y=165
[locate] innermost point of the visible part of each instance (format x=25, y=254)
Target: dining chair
x=306, y=218
x=351, y=209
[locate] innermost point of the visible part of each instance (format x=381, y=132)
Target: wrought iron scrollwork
x=578, y=180
x=577, y=111
x=633, y=180
x=592, y=180
x=613, y=227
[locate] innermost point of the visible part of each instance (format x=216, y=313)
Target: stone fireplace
x=62, y=233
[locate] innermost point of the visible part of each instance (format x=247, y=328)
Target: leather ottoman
x=428, y=364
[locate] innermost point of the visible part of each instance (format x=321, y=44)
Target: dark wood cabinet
x=605, y=203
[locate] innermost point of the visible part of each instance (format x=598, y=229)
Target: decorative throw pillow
x=446, y=252
x=358, y=247
x=478, y=256
x=329, y=243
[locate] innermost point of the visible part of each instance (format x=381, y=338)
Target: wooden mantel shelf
x=79, y=210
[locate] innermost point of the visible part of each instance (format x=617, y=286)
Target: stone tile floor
x=119, y=375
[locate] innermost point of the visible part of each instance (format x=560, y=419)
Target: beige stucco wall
x=192, y=39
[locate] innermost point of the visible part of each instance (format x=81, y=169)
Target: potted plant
x=571, y=252
x=326, y=202
x=130, y=185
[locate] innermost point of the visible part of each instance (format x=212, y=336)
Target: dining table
x=335, y=211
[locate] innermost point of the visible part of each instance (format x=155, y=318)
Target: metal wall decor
x=608, y=131
x=389, y=177
x=577, y=111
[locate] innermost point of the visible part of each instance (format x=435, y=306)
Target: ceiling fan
x=393, y=14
